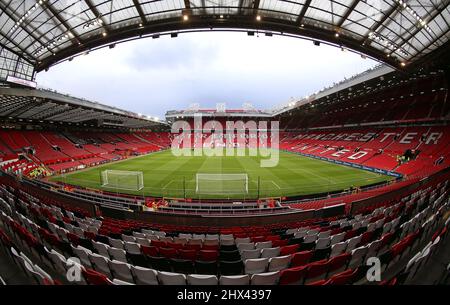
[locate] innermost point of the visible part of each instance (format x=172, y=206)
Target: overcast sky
x=151, y=76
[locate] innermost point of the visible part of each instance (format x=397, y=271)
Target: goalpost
x=218, y=184
x=123, y=180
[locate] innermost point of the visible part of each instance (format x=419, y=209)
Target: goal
x=123, y=180
x=221, y=184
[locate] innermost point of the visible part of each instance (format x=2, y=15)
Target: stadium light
x=336, y=35
x=258, y=18
x=185, y=17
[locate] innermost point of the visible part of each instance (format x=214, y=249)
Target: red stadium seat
x=293, y=276
x=208, y=255
x=301, y=258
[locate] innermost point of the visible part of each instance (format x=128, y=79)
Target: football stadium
x=346, y=186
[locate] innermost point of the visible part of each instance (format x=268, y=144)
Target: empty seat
x=264, y=244
x=231, y=267
x=206, y=267
x=337, y=238
x=95, y=278
x=170, y=278
x=268, y=278
x=316, y=271
x=358, y=256
x=338, y=248
x=208, y=255
x=301, y=258
x=127, y=238
x=246, y=246
x=338, y=263
x=121, y=282
x=142, y=241
x=291, y=249
x=117, y=254
x=247, y=254
x=202, y=279
x=182, y=266
x=270, y=252
x=168, y=252
x=137, y=259
x=353, y=243
x=322, y=243
x=187, y=254
x=279, y=263
x=293, y=276
x=132, y=248
x=144, y=276
x=116, y=243
x=242, y=240
x=238, y=280
x=100, y=264
x=101, y=248
x=121, y=271
x=159, y=263
x=257, y=265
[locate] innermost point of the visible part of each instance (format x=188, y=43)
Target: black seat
x=204, y=267
x=102, y=239
x=231, y=267
x=228, y=248
x=182, y=266
x=230, y=255
x=65, y=247
x=159, y=263
x=295, y=240
x=320, y=254
x=86, y=243
x=307, y=246
x=137, y=260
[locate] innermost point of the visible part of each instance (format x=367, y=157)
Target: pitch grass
x=168, y=176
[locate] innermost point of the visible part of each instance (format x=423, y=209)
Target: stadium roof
x=33, y=105
x=45, y=32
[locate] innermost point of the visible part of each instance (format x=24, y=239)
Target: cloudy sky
x=151, y=76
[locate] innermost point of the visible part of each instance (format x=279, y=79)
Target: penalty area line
x=167, y=184
x=273, y=182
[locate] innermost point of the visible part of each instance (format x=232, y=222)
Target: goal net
x=123, y=180
x=221, y=184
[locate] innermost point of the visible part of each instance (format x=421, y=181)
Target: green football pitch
x=166, y=175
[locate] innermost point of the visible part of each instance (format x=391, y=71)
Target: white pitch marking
x=273, y=182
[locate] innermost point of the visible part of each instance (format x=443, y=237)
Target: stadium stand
x=41, y=235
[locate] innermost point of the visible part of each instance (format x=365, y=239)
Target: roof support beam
x=303, y=11
x=138, y=7
x=57, y=15
x=440, y=36
x=404, y=40
x=24, y=28
x=377, y=25
x=187, y=4
x=347, y=13
x=97, y=14
x=16, y=46
x=22, y=110
x=255, y=7
x=241, y=2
